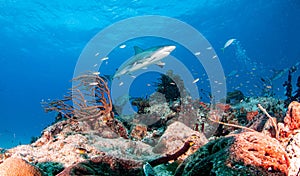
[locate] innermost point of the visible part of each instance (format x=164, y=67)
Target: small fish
x=209, y=48
x=232, y=73
x=196, y=80
x=81, y=150
x=96, y=73
x=93, y=84
x=122, y=46
x=95, y=65
x=97, y=54
x=104, y=58
x=215, y=56
x=121, y=83
x=262, y=79
x=228, y=43
x=197, y=53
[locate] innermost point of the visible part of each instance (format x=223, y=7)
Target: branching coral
x=92, y=105
x=141, y=104
x=90, y=97
x=289, y=88
x=171, y=86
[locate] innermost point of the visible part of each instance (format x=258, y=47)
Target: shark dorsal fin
x=137, y=50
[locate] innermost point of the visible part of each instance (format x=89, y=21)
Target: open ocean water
x=41, y=42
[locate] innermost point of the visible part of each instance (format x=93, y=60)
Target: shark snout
x=169, y=49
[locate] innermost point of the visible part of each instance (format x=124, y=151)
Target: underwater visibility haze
x=255, y=42
x=41, y=42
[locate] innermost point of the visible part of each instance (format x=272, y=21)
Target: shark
x=143, y=58
x=280, y=73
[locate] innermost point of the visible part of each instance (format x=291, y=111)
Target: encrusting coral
x=292, y=119
x=18, y=167
x=247, y=153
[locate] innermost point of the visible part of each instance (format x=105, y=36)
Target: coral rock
x=223, y=107
x=259, y=150
x=18, y=167
x=292, y=118
x=293, y=151
x=138, y=132
x=105, y=165
x=248, y=153
x=175, y=136
x=251, y=115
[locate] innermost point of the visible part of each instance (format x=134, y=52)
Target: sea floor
x=172, y=144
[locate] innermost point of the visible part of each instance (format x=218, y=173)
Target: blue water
x=42, y=40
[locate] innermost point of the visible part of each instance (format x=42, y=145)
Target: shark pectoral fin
x=161, y=64
x=137, y=50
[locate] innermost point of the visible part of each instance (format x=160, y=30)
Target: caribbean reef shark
x=144, y=58
x=280, y=73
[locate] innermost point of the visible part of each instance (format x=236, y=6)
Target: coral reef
x=175, y=135
x=260, y=151
x=249, y=136
x=18, y=167
x=105, y=165
x=92, y=108
x=138, y=131
x=248, y=153
x=141, y=104
x=292, y=119
x=251, y=153
x=234, y=97
x=88, y=139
